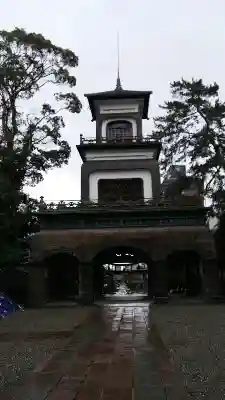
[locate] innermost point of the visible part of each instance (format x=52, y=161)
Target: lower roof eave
x=82, y=148
x=154, y=230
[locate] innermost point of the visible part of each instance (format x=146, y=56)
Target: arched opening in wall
x=123, y=272
x=184, y=271
x=119, y=131
x=62, y=277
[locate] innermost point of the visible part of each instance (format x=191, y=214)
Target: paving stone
x=88, y=393
x=117, y=393
x=35, y=388
x=62, y=394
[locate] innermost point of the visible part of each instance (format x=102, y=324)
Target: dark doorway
x=184, y=273
x=62, y=277
x=122, y=272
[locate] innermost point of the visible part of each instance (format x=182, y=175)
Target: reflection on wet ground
x=116, y=354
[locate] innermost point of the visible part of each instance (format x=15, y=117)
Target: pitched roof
x=119, y=93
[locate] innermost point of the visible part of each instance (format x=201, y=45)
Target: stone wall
x=156, y=242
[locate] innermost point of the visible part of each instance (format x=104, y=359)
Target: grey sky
x=160, y=41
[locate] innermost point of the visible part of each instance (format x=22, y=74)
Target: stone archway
x=62, y=280
x=184, y=272
x=109, y=261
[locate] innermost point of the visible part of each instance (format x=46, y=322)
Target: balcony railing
x=123, y=222
x=118, y=139
x=69, y=205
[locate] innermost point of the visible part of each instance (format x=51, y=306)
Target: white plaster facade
x=119, y=108
x=120, y=154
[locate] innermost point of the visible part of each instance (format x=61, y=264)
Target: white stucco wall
x=120, y=154
x=118, y=108
x=96, y=176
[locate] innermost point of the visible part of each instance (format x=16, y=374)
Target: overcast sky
x=160, y=41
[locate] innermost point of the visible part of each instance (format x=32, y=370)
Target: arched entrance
x=122, y=271
x=184, y=273
x=62, y=276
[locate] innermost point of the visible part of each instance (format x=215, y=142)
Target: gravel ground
x=18, y=359
x=18, y=355
x=42, y=320
x=195, y=338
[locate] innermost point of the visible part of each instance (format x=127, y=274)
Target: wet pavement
x=116, y=354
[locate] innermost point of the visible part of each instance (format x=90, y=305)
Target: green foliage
x=16, y=225
x=30, y=142
x=191, y=130
x=219, y=238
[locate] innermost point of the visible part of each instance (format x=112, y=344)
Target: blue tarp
x=8, y=306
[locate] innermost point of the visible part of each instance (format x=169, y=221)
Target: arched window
x=119, y=131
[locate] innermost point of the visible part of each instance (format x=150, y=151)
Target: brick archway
x=40, y=256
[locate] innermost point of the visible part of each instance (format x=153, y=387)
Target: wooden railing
x=118, y=139
x=64, y=205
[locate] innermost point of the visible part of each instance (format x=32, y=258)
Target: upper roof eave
x=119, y=94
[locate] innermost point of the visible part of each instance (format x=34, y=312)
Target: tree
x=192, y=131
x=15, y=230
x=219, y=238
x=30, y=142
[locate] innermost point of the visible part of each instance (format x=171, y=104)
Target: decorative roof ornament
x=118, y=81
x=119, y=93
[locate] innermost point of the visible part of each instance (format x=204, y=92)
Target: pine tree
x=191, y=130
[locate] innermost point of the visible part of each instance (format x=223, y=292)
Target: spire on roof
x=118, y=81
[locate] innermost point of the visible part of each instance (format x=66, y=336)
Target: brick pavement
x=115, y=355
